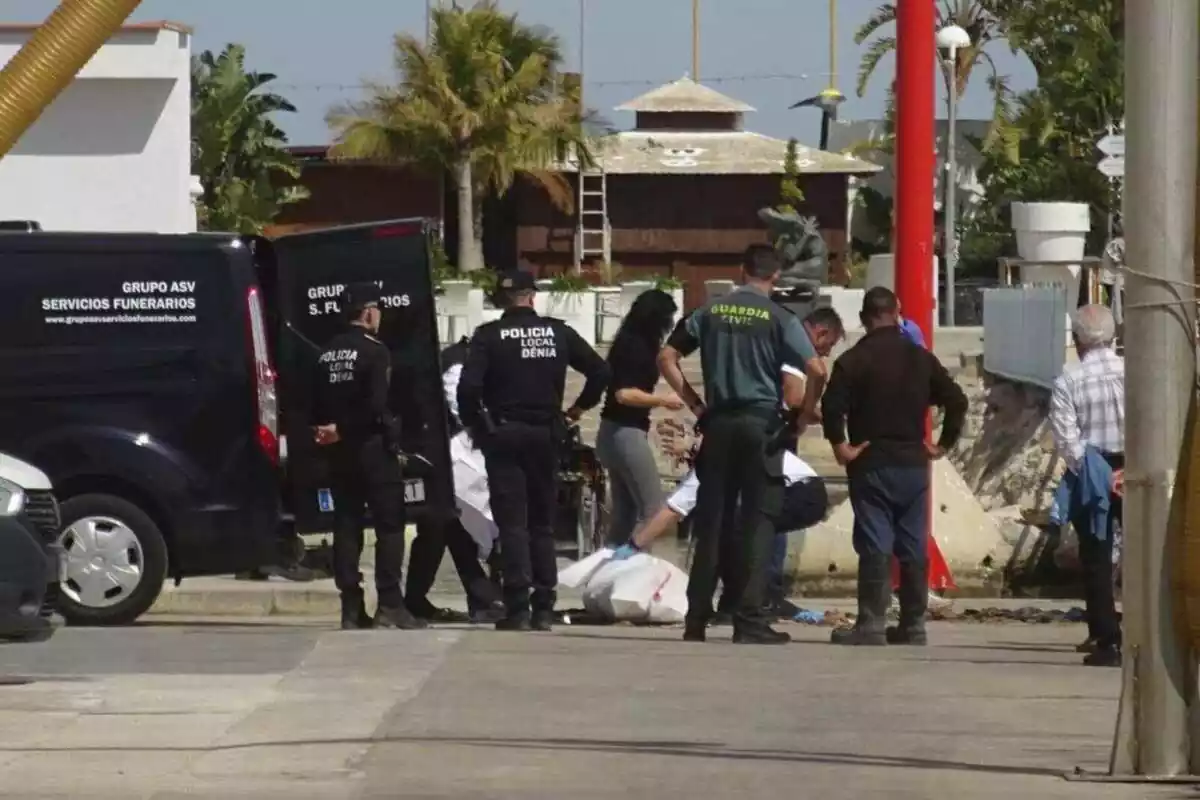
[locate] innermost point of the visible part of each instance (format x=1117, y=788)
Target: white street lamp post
x=951, y=38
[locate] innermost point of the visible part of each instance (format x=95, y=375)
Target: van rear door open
x=312, y=269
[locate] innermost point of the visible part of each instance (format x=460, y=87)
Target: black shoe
x=296, y=573
x=355, y=616
x=252, y=575
x=782, y=609
x=759, y=634
x=1103, y=657
x=1087, y=646
x=437, y=616
x=487, y=616
x=916, y=637
x=694, y=632
x=515, y=621
x=542, y=621
x=399, y=618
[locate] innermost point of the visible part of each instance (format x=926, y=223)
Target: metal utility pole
x=582, y=44
x=696, y=40
x=833, y=70
x=1162, y=41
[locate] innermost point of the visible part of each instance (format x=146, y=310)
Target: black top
x=634, y=365
x=352, y=387
x=882, y=389
x=517, y=370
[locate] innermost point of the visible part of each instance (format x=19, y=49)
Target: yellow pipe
x=52, y=58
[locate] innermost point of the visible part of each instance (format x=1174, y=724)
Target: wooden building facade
x=681, y=197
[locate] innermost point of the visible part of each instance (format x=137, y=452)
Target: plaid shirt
x=1088, y=406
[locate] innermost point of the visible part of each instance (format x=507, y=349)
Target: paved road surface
x=259, y=710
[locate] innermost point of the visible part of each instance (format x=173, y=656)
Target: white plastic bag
x=641, y=588
x=471, y=492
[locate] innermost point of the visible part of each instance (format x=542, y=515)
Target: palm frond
x=870, y=60
x=884, y=15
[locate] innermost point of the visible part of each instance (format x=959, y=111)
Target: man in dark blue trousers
x=882, y=390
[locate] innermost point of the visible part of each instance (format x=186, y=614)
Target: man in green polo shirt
x=744, y=339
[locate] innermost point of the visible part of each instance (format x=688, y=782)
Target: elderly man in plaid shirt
x=1087, y=415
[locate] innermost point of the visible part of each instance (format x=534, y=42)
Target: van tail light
x=264, y=377
x=398, y=229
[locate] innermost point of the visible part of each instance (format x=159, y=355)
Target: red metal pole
x=915, y=165
x=916, y=62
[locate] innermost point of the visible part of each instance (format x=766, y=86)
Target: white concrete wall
x=113, y=152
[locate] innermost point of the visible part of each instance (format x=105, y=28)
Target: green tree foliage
x=979, y=18
x=238, y=151
x=486, y=101
x=1044, y=148
x=790, y=195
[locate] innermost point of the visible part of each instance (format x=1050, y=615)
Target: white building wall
x=113, y=152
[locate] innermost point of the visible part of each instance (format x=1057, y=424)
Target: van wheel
x=114, y=561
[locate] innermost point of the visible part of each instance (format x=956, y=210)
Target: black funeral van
x=304, y=274
x=159, y=380
x=135, y=372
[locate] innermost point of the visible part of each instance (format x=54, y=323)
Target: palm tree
x=238, y=151
x=979, y=18
x=485, y=101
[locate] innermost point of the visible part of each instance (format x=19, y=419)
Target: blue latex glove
x=624, y=551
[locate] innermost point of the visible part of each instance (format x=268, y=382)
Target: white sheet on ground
x=471, y=491
x=642, y=588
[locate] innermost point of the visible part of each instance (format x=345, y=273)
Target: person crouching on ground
x=805, y=503
x=882, y=389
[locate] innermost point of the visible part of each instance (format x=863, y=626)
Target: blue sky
x=769, y=53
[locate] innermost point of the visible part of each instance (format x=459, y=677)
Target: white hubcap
x=103, y=563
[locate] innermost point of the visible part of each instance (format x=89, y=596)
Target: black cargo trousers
x=522, y=469
x=365, y=474
x=742, y=491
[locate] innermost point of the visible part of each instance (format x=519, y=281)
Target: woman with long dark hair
x=622, y=443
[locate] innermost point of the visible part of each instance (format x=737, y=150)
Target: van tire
x=154, y=560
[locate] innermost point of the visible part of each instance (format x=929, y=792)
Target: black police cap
x=358, y=296
x=517, y=281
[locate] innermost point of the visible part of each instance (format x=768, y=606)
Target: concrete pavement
x=260, y=710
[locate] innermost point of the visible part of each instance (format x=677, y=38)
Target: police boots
x=397, y=616
x=914, y=601
x=354, y=613
x=753, y=629
x=516, y=607
x=874, y=597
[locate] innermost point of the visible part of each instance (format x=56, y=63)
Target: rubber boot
x=874, y=597
x=914, y=602
x=354, y=613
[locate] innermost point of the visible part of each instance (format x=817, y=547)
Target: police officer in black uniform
x=745, y=339
x=361, y=440
x=510, y=397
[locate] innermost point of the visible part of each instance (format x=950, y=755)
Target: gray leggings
x=635, y=489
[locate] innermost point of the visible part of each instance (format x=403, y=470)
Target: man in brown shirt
x=881, y=390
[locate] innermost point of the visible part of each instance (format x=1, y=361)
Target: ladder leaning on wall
x=593, y=234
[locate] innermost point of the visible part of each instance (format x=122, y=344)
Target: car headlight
x=12, y=499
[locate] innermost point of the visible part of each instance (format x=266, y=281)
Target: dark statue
x=799, y=241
